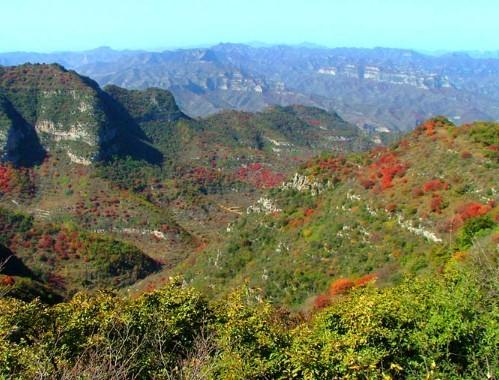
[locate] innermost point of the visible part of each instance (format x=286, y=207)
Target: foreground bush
x=420, y=329
x=442, y=327
x=103, y=333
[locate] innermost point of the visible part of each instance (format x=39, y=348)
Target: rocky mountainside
x=384, y=215
x=100, y=182
x=373, y=88
x=46, y=108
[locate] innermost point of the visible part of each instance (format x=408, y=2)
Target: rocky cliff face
x=57, y=110
x=415, y=78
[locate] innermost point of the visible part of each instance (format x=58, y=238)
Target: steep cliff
x=50, y=107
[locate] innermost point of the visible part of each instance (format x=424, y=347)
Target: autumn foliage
x=465, y=212
x=436, y=203
x=429, y=127
x=16, y=181
x=7, y=281
x=6, y=178
x=381, y=173
x=341, y=286
x=322, y=301
x=435, y=185
x=259, y=176
x=364, y=280
x=472, y=209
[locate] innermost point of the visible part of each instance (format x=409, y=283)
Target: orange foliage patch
x=429, y=127
x=341, y=286
x=322, y=301
x=366, y=279
x=7, y=281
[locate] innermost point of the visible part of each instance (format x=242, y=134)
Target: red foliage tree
x=45, y=242
x=383, y=171
x=309, y=212
x=314, y=122
x=436, y=203
x=434, y=185
x=254, y=167
x=8, y=281
x=463, y=213
x=472, y=209
x=61, y=244
x=259, y=176
x=417, y=192
x=367, y=183
x=391, y=207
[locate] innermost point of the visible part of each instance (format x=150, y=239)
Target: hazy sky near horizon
x=432, y=25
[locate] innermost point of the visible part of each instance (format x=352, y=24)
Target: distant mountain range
x=374, y=88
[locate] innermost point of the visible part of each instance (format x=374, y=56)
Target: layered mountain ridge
x=232, y=171
x=381, y=88
x=303, y=248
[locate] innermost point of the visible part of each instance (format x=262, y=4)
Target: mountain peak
x=47, y=106
x=151, y=104
x=41, y=76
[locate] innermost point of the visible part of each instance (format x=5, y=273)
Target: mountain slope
x=165, y=183
x=67, y=259
x=386, y=215
x=18, y=141
x=65, y=112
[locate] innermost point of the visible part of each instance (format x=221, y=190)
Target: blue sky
x=55, y=25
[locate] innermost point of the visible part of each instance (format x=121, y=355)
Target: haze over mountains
x=378, y=88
